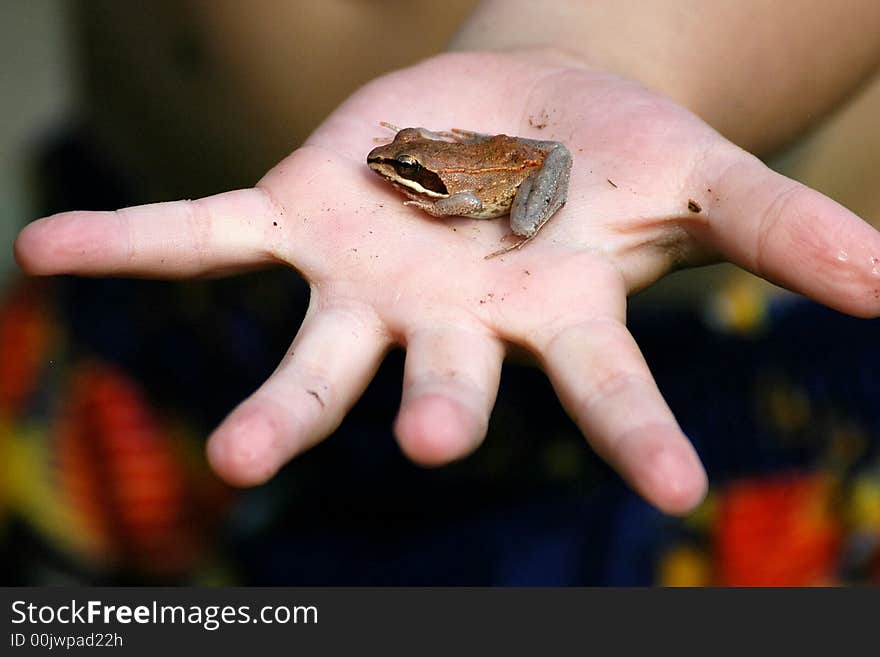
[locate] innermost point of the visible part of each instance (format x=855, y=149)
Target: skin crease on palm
x=383, y=274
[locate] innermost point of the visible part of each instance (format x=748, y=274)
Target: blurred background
x=108, y=388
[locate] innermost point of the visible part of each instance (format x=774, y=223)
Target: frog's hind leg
x=540, y=195
x=543, y=193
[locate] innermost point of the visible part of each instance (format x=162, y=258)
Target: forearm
x=758, y=71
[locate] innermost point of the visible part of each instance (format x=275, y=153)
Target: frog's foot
x=439, y=135
x=456, y=135
x=512, y=247
x=542, y=194
x=387, y=139
x=467, y=136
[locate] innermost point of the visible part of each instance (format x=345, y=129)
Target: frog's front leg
x=540, y=195
x=457, y=205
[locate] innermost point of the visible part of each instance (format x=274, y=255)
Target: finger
x=450, y=383
x=794, y=236
x=217, y=234
x=334, y=356
x=604, y=384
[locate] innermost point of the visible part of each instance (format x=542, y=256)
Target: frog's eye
x=407, y=167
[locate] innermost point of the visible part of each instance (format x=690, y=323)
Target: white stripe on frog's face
x=416, y=187
x=389, y=173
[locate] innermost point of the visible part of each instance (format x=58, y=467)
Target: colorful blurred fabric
x=108, y=389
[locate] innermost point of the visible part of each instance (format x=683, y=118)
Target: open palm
x=652, y=188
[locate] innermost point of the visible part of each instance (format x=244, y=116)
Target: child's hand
x=652, y=189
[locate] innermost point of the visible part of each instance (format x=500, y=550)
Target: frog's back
x=492, y=169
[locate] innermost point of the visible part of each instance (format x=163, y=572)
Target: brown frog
x=467, y=174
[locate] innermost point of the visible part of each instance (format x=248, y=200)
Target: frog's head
x=405, y=161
